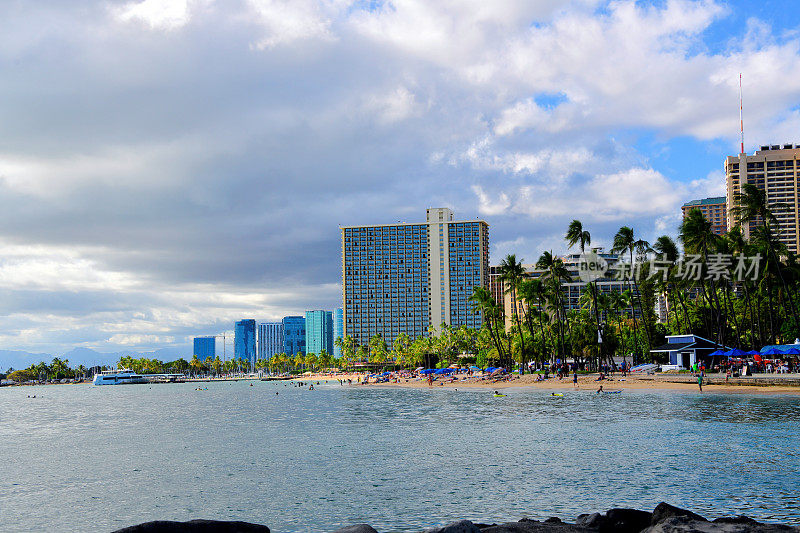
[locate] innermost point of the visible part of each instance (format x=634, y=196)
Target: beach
x=713, y=383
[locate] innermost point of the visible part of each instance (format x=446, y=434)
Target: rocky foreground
x=664, y=519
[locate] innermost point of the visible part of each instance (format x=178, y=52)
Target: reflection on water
x=83, y=457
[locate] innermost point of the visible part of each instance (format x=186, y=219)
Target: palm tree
x=511, y=275
x=378, y=349
x=400, y=349
x=577, y=235
x=555, y=274
x=698, y=238
x=752, y=208
x=625, y=241
x=492, y=318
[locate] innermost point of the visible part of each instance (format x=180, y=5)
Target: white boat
x=123, y=376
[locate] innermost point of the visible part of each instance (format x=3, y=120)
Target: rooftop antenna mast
x=741, y=120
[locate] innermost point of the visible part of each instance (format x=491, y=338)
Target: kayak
x=557, y=394
x=612, y=392
x=499, y=395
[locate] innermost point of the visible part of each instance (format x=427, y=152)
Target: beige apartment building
x=773, y=169
x=713, y=209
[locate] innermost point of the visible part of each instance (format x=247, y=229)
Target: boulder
x=594, y=521
x=664, y=510
x=194, y=526
x=462, y=526
x=532, y=526
x=683, y=524
x=357, y=528
x=627, y=520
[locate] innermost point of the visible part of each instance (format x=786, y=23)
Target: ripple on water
x=400, y=459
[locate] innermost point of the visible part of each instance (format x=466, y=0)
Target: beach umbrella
x=771, y=351
x=427, y=371
x=752, y=352
x=792, y=351
x=736, y=352
x=473, y=367
x=716, y=353
x=729, y=353
x=491, y=369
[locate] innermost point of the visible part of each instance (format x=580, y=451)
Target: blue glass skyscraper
x=244, y=344
x=338, y=330
x=294, y=335
x=270, y=339
x=319, y=331
x=204, y=347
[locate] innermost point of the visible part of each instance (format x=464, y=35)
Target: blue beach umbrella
x=736, y=352
x=771, y=351
x=491, y=369
x=729, y=353
x=753, y=352
x=716, y=353
x=792, y=351
x=427, y=371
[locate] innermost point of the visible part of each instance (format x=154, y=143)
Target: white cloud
x=287, y=21
x=157, y=14
x=488, y=206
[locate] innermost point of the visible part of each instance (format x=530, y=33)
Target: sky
x=170, y=166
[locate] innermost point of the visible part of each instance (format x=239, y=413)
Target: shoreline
x=588, y=382
x=665, y=518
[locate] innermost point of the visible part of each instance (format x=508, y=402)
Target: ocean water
x=85, y=458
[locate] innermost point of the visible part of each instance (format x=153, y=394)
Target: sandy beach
x=665, y=382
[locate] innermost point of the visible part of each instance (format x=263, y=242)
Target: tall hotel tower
x=403, y=278
x=775, y=170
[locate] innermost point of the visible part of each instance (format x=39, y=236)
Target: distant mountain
x=19, y=359
x=87, y=357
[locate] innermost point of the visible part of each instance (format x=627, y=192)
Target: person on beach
x=574, y=378
x=700, y=382
x=600, y=389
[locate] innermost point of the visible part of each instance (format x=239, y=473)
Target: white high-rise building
x=403, y=278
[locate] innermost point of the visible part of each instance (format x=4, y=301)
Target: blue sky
x=170, y=166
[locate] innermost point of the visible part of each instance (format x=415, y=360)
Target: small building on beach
x=683, y=351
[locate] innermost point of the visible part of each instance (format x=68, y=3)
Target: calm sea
x=85, y=458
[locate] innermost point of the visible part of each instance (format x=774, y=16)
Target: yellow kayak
x=499, y=395
x=557, y=394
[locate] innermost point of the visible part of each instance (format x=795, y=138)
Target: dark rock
x=532, y=526
x=683, y=524
x=357, y=528
x=194, y=526
x=594, y=520
x=627, y=520
x=664, y=510
x=553, y=520
x=741, y=519
x=462, y=526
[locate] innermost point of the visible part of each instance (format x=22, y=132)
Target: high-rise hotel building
x=773, y=169
x=403, y=278
x=713, y=209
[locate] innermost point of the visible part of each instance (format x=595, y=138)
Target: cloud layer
x=169, y=166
